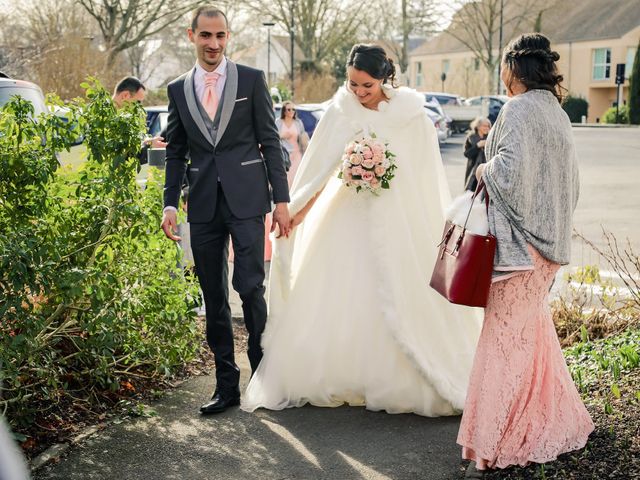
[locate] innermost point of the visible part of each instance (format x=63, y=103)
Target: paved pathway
x=303, y=444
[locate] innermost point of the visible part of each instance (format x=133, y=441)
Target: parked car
x=156, y=119
x=309, y=113
x=10, y=87
x=491, y=104
x=440, y=123
x=436, y=108
x=461, y=115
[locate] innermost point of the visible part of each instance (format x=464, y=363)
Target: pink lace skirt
x=522, y=405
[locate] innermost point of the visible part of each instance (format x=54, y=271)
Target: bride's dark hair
x=373, y=60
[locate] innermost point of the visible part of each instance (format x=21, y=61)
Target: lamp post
x=500, y=45
x=292, y=40
x=268, y=25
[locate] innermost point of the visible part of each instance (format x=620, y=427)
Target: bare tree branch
x=476, y=24
x=125, y=23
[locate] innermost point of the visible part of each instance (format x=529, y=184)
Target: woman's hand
x=480, y=171
x=482, y=143
x=297, y=219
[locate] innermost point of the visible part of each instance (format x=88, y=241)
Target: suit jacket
x=243, y=153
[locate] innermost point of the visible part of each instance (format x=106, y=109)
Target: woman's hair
x=283, y=110
x=477, y=122
x=530, y=59
x=373, y=60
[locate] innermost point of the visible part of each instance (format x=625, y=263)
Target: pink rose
x=350, y=148
x=377, y=149
x=368, y=154
x=357, y=171
x=379, y=170
x=368, y=176
x=378, y=158
x=355, y=159
x=375, y=183
x=368, y=163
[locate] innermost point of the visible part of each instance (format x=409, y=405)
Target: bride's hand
x=296, y=220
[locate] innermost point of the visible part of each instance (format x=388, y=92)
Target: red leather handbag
x=462, y=273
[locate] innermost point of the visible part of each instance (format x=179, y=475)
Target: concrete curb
x=54, y=452
x=604, y=125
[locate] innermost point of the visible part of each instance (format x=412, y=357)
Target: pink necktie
x=210, y=99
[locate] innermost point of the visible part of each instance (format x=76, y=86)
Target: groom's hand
x=169, y=224
x=282, y=219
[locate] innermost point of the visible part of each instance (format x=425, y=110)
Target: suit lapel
x=229, y=101
x=190, y=96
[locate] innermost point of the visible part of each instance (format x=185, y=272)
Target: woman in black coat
x=474, y=150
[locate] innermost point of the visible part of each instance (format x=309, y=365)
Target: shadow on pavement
x=305, y=443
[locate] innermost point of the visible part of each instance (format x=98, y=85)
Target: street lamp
x=292, y=41
x=268, y=25
x=500, y=45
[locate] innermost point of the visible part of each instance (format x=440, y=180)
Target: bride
x=352, y=317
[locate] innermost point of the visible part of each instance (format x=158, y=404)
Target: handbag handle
x=481, y=186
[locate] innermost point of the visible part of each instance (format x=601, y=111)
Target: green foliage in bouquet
x=90, y=290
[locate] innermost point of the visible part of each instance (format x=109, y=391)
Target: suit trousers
x=210, y=246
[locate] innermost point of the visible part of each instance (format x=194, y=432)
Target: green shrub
x=575, y=107
x=610, y=115
x=90, y=291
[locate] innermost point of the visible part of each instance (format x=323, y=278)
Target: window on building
x=601, y=64
x=631, y=55
x=445, y=66
x=418, y=74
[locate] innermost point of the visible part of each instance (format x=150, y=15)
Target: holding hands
x=282, y=219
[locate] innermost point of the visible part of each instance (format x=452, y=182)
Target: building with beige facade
x=591, y=36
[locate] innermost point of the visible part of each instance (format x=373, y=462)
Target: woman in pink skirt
x=293, y=136
x=522, y=405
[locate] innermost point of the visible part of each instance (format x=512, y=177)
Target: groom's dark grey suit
x=233, y=160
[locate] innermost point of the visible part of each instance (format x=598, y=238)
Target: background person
x=474, y=150
x=294, y=137
x=130, y=89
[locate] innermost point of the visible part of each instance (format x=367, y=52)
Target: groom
x=221, y=124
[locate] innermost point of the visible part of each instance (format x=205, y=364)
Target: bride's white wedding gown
x=352, y=318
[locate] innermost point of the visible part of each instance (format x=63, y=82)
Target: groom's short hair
x=207, y=11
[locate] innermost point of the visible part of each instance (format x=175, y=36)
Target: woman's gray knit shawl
x=532, y=180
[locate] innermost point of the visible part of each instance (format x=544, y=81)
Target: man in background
x=130, y=89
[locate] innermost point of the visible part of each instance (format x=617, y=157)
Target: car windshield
x=30, y=94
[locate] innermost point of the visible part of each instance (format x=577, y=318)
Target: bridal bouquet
x=367, y=164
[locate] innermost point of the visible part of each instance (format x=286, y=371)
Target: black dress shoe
x=219, y=403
